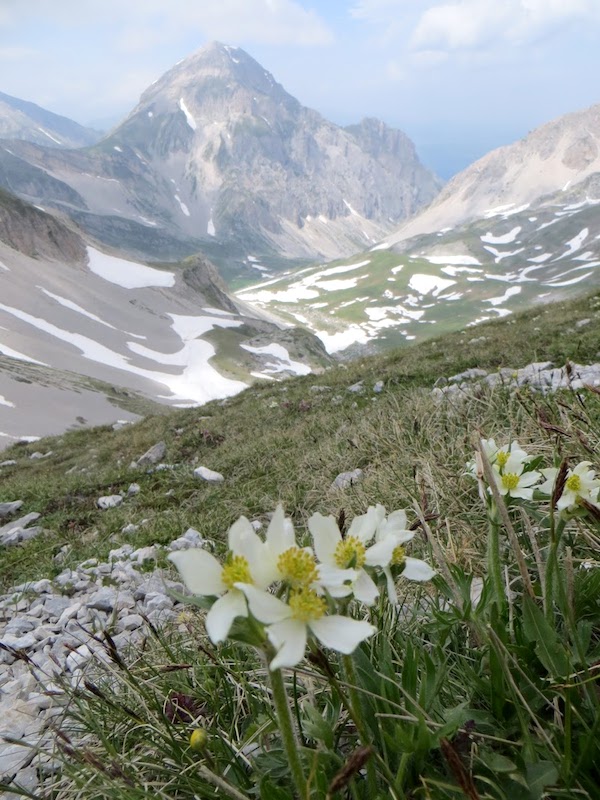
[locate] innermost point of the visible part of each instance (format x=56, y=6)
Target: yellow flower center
x=350, y=553
x=510, y=481
x=306, y=605
x=573, y=484
x=297, y=567
x=501, y=458
x=236, y=570
x=398, y=556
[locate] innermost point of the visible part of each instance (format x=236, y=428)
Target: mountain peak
x=217, y=149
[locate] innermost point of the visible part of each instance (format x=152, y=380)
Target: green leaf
x=317, y=727
x=205, y=603
x=498, y=763
x=540, y=775
x=548, y=648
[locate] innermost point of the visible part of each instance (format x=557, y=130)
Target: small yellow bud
x=198, y=740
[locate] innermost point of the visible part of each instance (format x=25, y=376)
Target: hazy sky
x=459, y=76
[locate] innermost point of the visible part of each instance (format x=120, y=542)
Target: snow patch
x=334, y=342
x=283, y=364
x=497, y=301
x=128, y=274
x=49, y=135
x=575, y=244
x=74, y=307
x=506, y=238
x=458, y=260
x=571, y=282
x=182, y=205
x=349, y=207
x=10, y=353
x=188, y=115
x=423, y=284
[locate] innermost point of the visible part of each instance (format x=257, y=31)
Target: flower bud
x=198, y=740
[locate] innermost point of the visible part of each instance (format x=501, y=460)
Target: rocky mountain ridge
x=20, y=119
x=217, y=152
x=556, y=157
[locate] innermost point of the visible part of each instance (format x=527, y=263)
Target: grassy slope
x=284, y=442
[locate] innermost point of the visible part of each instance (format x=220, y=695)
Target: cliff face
x=36, y=234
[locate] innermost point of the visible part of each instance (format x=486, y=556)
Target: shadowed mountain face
x=219, y=155
x=88, y=336
x=22, y=120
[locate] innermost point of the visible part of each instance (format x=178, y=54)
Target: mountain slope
x=171, y=336
x=20, y=119
x=553, y=158
x=218, y=152
x=451, y=279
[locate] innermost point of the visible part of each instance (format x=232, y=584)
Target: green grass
x=280, y=442
x=492, y=702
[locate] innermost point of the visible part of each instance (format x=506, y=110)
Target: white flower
x=297, y=566
x=512, y=481
x=289, y=624
x=203, y=575
x=345, y=555
x=581, y=483
x=388, y=552
x=497, y=456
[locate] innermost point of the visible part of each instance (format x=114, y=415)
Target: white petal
x=582, y=467
x=490, y=448
x=417, y=570
x=289, y=637
x=516, y=450
x=242, y=537
x=524, y=494
x=341, y=633
x=265, y=607
x=364, y=526
x=365, y=589
x=199, y=570
x=380, y=553
x=548, y=486
x=280, y=533
x=514, y=465
x=566, y=499
x=326, y=536
x=244, y=541
x=528, y=478
x=334, y=577
x=390, y=586
x=394, y=524
x=220, y=618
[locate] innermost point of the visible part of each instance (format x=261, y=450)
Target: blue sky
x=459, y=76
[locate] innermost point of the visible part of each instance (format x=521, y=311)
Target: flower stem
x=357, y=717
x=552, y=564
x=493, y=557
x=288, y=735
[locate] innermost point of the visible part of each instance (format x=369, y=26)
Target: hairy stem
x=288, y=734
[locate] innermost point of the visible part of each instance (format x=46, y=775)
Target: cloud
x=256, y=21
x=17, y=53
x=470, y=25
